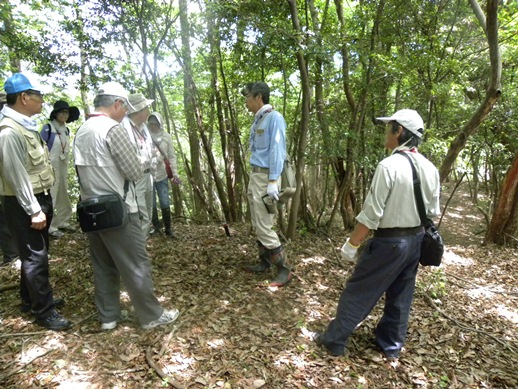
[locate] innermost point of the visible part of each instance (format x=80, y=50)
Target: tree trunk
x=504, y=223
x=197, y=179
x=490, y=26
x=304, y=124
x=230, y=208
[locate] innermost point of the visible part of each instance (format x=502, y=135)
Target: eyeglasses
x=31, y=92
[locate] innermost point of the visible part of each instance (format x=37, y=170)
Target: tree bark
x=304, y=124
x=504, y=222
x=197, y=179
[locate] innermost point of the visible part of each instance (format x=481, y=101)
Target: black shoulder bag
x=432, y=247
x=103, y=212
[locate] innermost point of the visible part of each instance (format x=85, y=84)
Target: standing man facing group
x=26, y=178
x=106, y=160
x=268, y=148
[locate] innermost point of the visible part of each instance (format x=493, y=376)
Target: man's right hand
x=176, y=180
x=39, y=221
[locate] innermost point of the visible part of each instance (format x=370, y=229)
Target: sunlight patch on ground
x=317, y=259
x=505, y=312
x=462, y=215
x=291, y=360
x=32, y=353
x=216, y=343
x=451, y=258
x=480, y=292
x=179, y=363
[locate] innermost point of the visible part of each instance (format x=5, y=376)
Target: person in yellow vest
x=26, y=177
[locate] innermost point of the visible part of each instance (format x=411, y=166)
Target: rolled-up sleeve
x=374, y=205
x=277, y=145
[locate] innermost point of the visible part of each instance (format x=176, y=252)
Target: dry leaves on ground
x=235, y=332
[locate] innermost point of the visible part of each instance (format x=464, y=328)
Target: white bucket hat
x=409, y=119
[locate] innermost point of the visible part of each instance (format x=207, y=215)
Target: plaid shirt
x=125, y=153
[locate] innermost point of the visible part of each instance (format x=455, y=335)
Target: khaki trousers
x=262, y=221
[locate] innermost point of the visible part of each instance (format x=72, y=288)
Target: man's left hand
x=273, y=191
x=349, y=252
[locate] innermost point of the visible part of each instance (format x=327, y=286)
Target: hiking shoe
x=166, y=318
x=25, y=307
x=112, y=324
x=56, y=234
x=54, y=321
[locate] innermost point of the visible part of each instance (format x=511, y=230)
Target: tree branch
x=170, y=380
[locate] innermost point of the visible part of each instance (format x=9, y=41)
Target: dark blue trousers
x=32, y=246
x=386, y=266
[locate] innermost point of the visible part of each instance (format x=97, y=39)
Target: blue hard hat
x=17, y=83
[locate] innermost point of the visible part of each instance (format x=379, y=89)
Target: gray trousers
x=144, y=191
x=386, y=266
x=117, y=255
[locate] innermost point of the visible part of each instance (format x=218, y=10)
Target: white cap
x=113, y=88
x=409, y=119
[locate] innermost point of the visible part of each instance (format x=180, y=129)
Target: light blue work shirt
x=268, y=141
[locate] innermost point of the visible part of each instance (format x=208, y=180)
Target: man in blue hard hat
x=26, y=177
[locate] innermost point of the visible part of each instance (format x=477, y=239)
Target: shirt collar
x=263, y=109
x=21, y=119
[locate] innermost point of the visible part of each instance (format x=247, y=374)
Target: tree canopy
x=333, y=66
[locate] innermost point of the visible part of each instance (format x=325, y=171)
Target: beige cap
x=138, y=102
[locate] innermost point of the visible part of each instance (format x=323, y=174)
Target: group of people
x=112, y=148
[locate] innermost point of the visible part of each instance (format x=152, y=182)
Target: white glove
x=349, y=251
x=273, y=191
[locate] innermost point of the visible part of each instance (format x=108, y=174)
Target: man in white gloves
x=268, y=148
x=388, y=264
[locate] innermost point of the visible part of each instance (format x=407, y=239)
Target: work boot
x=278, y=258
x=155, y=221
x=264, y=260
x=166, y=218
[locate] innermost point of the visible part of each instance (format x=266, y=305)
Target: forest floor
x=236, y=332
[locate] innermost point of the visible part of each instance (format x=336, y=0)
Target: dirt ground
x=235, y=332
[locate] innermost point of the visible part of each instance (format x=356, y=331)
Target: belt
x=257, y=169
x=147, y=171
x=395, y=232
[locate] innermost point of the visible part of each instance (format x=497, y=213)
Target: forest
x=333, y=66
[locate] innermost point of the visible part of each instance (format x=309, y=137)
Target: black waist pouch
x=101, y=213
